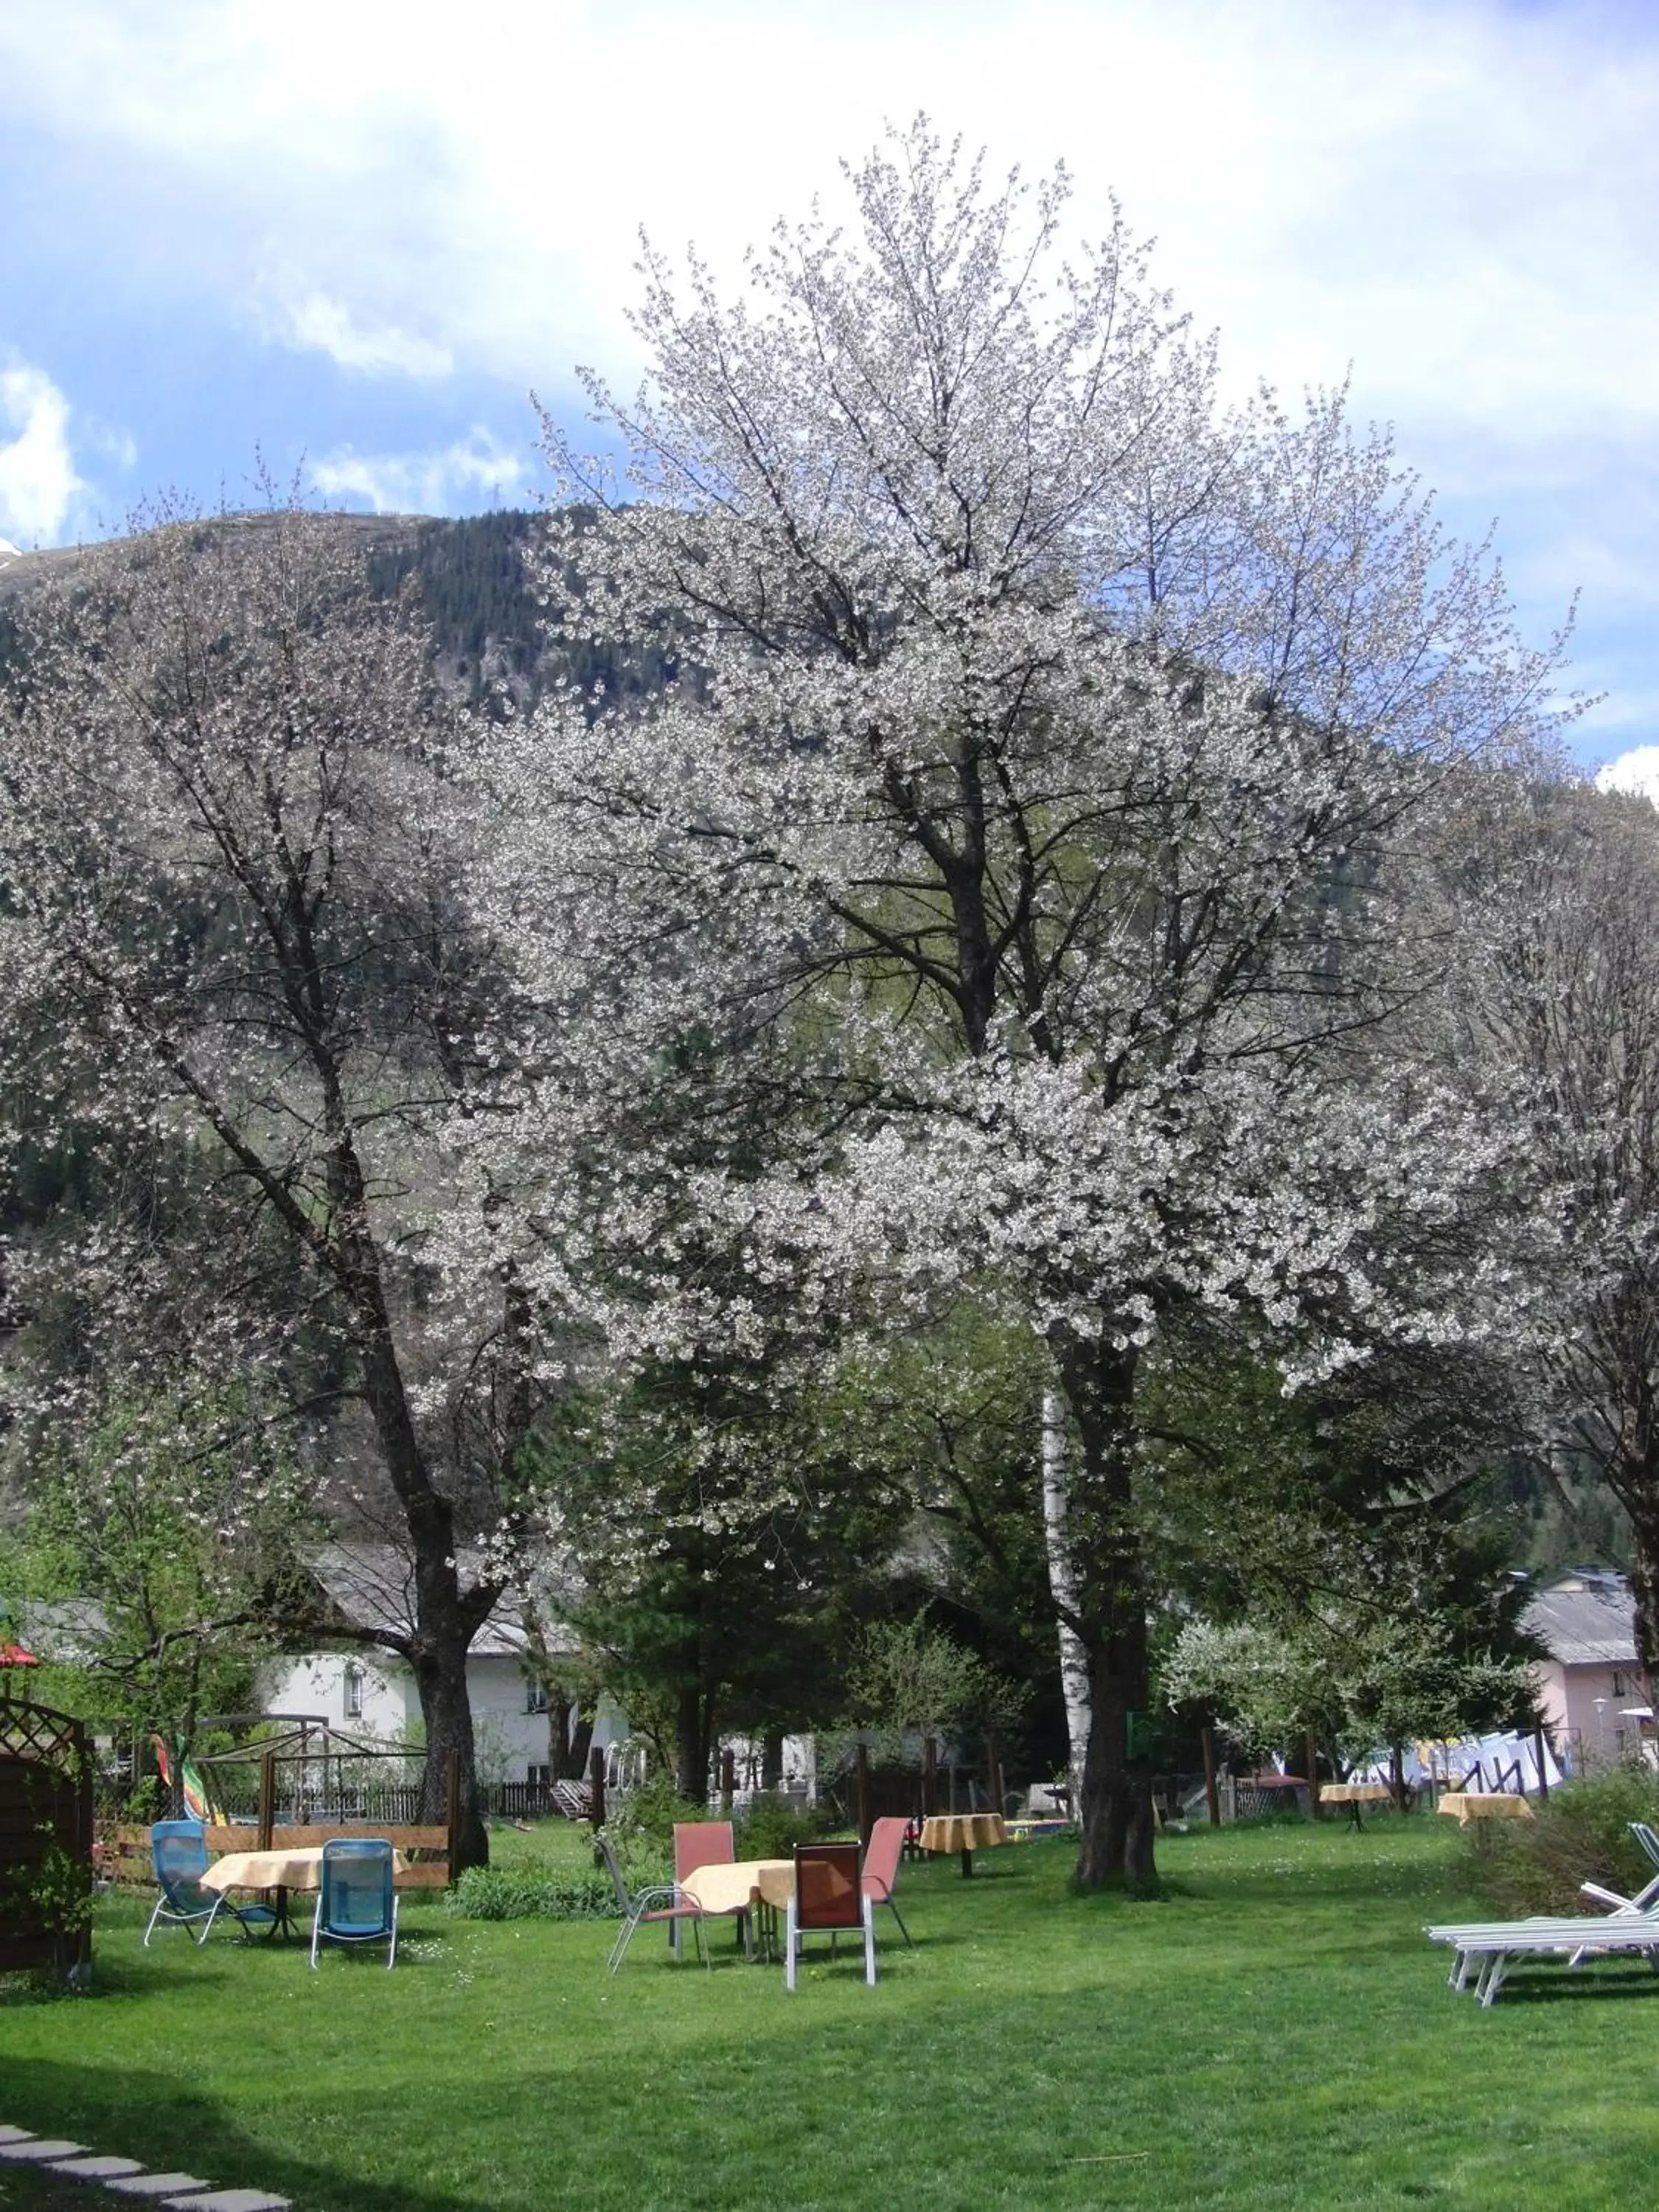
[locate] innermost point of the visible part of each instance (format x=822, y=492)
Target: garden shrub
x=527, y=1892
x=640, y=1828
x=770, y=1827
x=640, y=1823
x=1581, y=1834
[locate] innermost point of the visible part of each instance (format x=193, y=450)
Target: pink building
x=1592, y=1693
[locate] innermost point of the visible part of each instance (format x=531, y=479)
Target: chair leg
x=153, y=1917
x=789, y=1946
x=624, y=1937
x=899, y=1917
x=207, y=1925
x=391, y=1954
x=870, y=1941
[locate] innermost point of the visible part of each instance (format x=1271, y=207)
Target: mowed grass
x=1274, y=2032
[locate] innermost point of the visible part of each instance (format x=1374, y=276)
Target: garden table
x=281, y=1871
x=966, y=1833
x=743, y=1885
x=1485, y=1805
x=1353, y=1795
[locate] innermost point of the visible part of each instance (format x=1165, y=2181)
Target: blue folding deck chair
x=357, y=1903
x=178, y=1854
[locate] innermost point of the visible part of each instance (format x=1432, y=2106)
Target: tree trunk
x=1637, y=1491
x=1644, y=1590
x=582, y=1741
x=772, y=1759
x=1063, y=1584
x=441, y=1678
x=558, y=1736
x=691, y=1745
x=1115, y=1813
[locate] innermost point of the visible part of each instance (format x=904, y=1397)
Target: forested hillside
x=468, y=577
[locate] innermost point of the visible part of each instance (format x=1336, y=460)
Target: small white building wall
x=511, y=1738
x=508, y=1737
x=316, y=1687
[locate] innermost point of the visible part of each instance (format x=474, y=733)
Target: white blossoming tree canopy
x=1557, y=1018
x=1038, y=810
x=243, y=993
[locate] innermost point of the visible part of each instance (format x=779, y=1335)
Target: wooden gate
x=45, y=1842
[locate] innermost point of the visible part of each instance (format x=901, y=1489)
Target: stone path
x=126, y=2178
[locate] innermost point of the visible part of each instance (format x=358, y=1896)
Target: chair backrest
x=827, y=1891
x=881, y=1860
x=625, y=1903
x=357, y=1884
x=179, y=1849
x=1644, y=1836
x=701, y=1844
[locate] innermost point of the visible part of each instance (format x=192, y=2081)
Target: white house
x=366, y=1691
x=1594, y=1697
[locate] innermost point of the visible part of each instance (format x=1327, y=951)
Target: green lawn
x=1273, y=2033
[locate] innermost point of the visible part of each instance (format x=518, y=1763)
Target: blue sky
x=359, y=231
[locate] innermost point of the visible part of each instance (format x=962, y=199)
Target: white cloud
x=38, y=481
x=475, y=467
x=1634, y=771
x=322, y=324
x=1454, y=195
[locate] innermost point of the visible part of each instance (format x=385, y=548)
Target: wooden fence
x=45, y=1842
x=432, y=1848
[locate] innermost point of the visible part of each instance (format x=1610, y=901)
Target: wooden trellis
x=45, y=1842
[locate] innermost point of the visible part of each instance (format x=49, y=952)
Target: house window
x=538, y=1778
x=353, y=1691
x=1620, y=1686
x=535, y=1698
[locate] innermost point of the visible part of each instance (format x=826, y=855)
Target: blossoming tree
x=1049, y=757
x=241, y=980
x=1559, y=1020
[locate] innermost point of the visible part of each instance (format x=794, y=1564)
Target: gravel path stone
x=125, y=2177
x=157, y=2187
x=227, y=2200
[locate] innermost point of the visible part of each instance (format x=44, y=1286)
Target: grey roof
x=69, y=1631
x=1585, y=1618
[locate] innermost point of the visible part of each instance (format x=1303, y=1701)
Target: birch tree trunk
x=1063, y=1585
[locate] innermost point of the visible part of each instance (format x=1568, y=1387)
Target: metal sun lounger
x=1497, y=1943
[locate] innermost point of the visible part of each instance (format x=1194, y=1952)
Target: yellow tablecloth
x=301, y=1869
x=1354, y=1793
x=737, y=1885
x=962, y=1831
x=1485, y=1805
